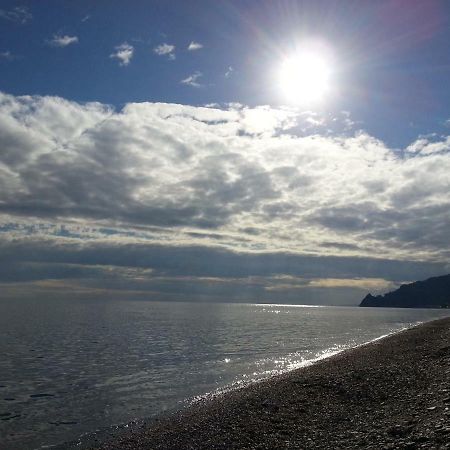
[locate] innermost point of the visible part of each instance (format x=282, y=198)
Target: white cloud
x=165, y=49
x=191, y=80
x=19, y=14
x=417, y=146
x=124, y=53
x=265, y=121
x=59, y=40
x=194, y=46
x=425, y=146
x=237, y=177
x=229, y=72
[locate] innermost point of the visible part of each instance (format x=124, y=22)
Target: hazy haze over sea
x=69, y=368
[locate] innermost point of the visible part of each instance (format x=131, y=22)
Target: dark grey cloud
x=205, y=261
x=156, y=272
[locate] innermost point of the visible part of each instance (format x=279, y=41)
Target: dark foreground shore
x=392, y=393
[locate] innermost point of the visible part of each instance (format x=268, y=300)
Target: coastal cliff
x=431, y=293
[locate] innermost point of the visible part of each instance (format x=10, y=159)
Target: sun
x=304, y=77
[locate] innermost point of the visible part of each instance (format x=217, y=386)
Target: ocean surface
x=68, y=368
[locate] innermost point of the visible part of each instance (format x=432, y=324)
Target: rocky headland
x=431, y=293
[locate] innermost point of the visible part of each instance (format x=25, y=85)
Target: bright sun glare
x=304, y=77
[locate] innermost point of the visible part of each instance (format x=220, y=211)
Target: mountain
x=431, y=293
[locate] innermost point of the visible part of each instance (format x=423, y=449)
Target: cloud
x=229, y=72
x=194, y=46
x=191, y=80
x=291, y=283
x=165, y=49
x=62, y=41
x=154, y=271
x=7, y=55
x=426, y=146
x=19, y=14
x=124, y=53
x=227, y=192
x=371, y=284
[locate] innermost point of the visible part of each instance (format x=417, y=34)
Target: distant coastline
x=431, y=293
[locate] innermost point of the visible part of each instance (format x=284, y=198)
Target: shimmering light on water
x=68, y=368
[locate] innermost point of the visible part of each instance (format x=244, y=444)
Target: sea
x=72, y=368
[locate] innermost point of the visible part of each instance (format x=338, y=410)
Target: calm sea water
x=68, y=368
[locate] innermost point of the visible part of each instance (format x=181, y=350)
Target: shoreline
x=391, y=392
x=209, y=396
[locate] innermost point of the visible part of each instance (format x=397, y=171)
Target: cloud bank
x=178, y=200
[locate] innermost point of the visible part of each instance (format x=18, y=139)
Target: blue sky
x=392, y=56
x=144, y=144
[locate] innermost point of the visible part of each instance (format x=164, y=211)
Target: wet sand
x=392, y=393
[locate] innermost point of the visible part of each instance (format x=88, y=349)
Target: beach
x=391, y=393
